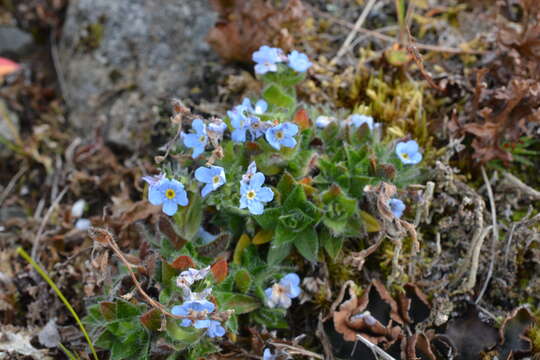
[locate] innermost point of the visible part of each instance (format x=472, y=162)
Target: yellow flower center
x=255, y=125
x=202, y=138
x=251, y=195
x=279, y=135
x=216, y=179
x=170, y=194
x=405, y=155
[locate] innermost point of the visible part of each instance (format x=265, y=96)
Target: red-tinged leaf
x=220, y=270
x=182, y=262
x=108, y=310
x=7, y=67
x=301, y=118
x=151, y=319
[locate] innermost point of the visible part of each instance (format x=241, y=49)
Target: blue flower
x=299, y=61
x=266, y=59
x=280, y=294
x=254, y=194
x=358, y=120
x=214, y=327
x=257, y=128
x=282, y=135
x=170, y=193
x=260, y=106
x=212, y=176
x=396, y=206
x=198, y=140
x=193, y=311
x=267, y=355
x=240, y=123
x=409, y=152
x=323, y=121
x=218, y=126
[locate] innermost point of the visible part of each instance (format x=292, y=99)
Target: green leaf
x=243, y=280
x=268, y=219
x=283, y=235
x=193, y=217
x=271, y=318
x=276, y=253
x=187, y=335
x=286, y=184
x=276, y=95
x=307, y=244
x=332, y=244
x=202, y=350
x=296, y=199
x=240, y=303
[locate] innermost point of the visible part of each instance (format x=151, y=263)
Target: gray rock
x=14, y=42
x=123, y=59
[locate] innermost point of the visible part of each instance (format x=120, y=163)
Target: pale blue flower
x=396, y=206
x=267, y=355
x=323, y=121
x=169, y=193
x=239, y=122
x=218, y=126
x=358, y=120
x=282, y=293
x=214, y=327
x=212, y=176
x=254, y=195
x=258, y=128
x=193, y=310
x=409, y=152
x=260, y=106
x=267, y=58
x=299, y=61
x=197, y=140
x=282, y=135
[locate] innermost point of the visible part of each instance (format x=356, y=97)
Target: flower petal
x=170, y=207
x=204, y=174
x=207, y=189
x=199, y=127
x=179, y=310
x=257, y=180
x=255, y=207
x=155, y=196
x=265, y=194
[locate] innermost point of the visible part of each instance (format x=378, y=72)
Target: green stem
x=68, y=353
x=46, y=277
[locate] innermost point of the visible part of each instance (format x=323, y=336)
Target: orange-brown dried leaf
x=220, y=270
x=183, y=262
x=244, y=26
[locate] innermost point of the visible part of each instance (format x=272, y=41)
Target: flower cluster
x=282, y=293
x=267, y=59
x=196, y=314
x=196, y=309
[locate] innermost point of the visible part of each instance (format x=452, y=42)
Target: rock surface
x=14, y=42
x=121, y=60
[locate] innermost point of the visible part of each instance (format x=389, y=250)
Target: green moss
x=94, y=35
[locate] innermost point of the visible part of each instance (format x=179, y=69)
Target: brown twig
x=12, y=184
x=533, y=193
x=105, y=237
x=386, y=38
x=358, y=25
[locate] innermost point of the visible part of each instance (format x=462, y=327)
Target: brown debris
x=513, y=334
x=244, y=26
